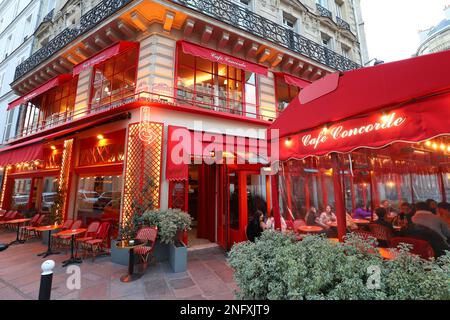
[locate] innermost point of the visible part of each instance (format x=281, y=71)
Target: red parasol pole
x=339, y=197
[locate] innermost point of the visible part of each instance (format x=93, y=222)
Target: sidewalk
x=208, y=277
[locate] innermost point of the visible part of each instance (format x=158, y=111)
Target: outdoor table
x=361, y=221
x=18, y=223
x=310, y=229
x=48, y=229
x=388, y=254
x=333, y=224
x=130, y=245
x=72, y=233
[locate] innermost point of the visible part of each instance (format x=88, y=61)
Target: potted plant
x=171, y=224
x=55, y=216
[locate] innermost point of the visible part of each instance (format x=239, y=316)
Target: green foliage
x=277, y=267
x=169, y=223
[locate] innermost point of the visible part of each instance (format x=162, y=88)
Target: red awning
x=104, y=55
x=40, y=90
x=29, y=153
x=216, y=56
x=294, y=81
x=412, y=96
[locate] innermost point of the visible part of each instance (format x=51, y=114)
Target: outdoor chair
x=66, y=226
x=99, y=243
x=90, y=234
x=43, y=220
x=381, y=233
x=64, y=241
x=148, y=235
x=12, y=216
x=419, y=247
x=25, y=231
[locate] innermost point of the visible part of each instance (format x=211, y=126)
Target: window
x=327, y=41
x=244, y=2
x=114, y=79
x=285, y=93
x=49, y=193
x=2, y=77
x=21, y=194
x=339, y=10
x=99, y=199
x=27, y=28
x=8, y=46
x=51, y=5
x=346, y=51
x=216, y=86
x=323, y=3
x=289, y=21
x=8, y=125
x=51, y=108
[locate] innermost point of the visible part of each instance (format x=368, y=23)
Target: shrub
x=169, y=223
x=277, y=267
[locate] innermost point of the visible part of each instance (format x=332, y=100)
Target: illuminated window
x=114, y=79
x=285, y=93
x=49, y=193
x=21, y=194
x=216, y=86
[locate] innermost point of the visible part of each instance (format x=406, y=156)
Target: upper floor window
x=114, y=79
x=289, y=21
x=27, y=27
x=245, y=3
x=346, y=51
x=339, y=10
x=2, y=77
x=327, y=41
x=285, y=93
x=216, y=86
x=323, y=3
x=53, y=107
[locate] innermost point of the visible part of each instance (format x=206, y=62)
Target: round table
x=130, y=245
x=333, y=224
x=310, y=229
x=18, y=222
x=72, y=233
x=48, y=229
x=361, y=221
x=388, y=254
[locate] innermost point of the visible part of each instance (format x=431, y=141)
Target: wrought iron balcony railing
x=244, y=19
x=49, y=16
x=324, y=12
x=88, y=21
x=343, y=24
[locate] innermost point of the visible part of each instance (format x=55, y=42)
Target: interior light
x=435, y=146
x=100, y=137
x=36, y=163
x=428, y=143
x=385, y=118
x=288, y=142
x=53, y=147
x=448, y=148
x=443, y=146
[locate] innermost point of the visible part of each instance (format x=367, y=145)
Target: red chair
x=147, y=235
x=64, y=241
x=66, y=226
x=12, y=216
x=90, y=234
x=419, y=247
x=26, y=230
x=290, y=225
x=100, y=242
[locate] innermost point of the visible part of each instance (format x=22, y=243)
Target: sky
x=392, y=25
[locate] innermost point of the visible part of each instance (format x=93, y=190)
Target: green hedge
x=277, y=267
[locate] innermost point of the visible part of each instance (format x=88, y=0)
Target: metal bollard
x=45, y=290
x=3, y=247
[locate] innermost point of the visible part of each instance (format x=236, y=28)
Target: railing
x=324, y=12
x=184, y=98
x=244, y=19
x=343, y=24
x=88, y=21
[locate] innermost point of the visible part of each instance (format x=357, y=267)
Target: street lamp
x=377, y=62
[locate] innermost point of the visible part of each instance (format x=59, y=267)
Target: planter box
x=178, y=258
x=119, y=256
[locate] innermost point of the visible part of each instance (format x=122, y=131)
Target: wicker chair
x=419, y=247
x=148, y=235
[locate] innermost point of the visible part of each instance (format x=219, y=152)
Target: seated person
x=420, y=232
x=312, y=217
x=326, y=218
x=351, y=225
x=362, y=213
x=256, y=226
x=432, y=206
x=426, y=218
x=382, y=213
x=444, y=212
x=403, y=219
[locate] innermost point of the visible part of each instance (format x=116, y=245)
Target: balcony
x=88, y=21
x=324, y=12
x=244, y=19
x=49, y=16
x=343, y=24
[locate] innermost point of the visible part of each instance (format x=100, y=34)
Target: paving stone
x=181, y=283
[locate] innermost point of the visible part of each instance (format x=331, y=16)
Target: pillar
x=339, y=198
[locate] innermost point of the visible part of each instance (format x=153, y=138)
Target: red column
x=275, y=202
x=442, y=185
x=339, y=197
x=289, y=192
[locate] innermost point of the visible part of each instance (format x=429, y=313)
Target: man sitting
x=426, y=218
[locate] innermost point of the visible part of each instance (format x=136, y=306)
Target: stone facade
x=437, y=38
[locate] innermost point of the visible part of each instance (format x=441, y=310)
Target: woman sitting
x=256, y=226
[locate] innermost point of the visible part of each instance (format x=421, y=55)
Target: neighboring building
x=231, y=65
x=437, y=38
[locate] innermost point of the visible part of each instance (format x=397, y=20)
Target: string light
x=288, y=142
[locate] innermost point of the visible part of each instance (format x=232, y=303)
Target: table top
x=72, y=232
x=387, y=253
x=310, y=229
x=129, y=244
x=48, y=228
x=333, y=224
x=361, y=221
x=17, y=221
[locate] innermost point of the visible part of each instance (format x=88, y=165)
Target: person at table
x=390, y=213
x=256, y=226
x=403, y=219
x=435, y=240
x=362, y=213
x=426, y=218
x=444, y=211
x=312, y=218
x=326, y=218
x=351, y=225
x=382, y=214
x=432, y=206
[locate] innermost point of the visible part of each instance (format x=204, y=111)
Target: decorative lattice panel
x=142, y=172
x=5, y=181
x=64, y=178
